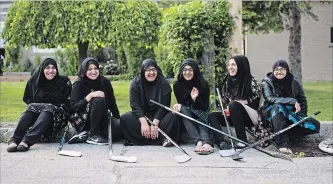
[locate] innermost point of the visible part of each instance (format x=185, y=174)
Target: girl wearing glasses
x=192, y=94
x=149, y=85
x=285, y=103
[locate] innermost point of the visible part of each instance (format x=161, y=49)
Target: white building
x=317, y=50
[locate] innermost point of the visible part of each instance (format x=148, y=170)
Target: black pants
x=194, y=130
x=98, y=120
x=131, y=128
x=239, y=119
x=40, y=123
x=279, y=121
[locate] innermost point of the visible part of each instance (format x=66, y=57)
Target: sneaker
x=23, y=147
x=97, y=140
x=79, y=138
x=225, y=145
x=12, y=147
x=240, y=145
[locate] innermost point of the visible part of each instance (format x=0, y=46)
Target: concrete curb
x=326, y=130
x=5, y=134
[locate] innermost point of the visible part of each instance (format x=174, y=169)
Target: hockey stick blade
x=70, y=153
x=131, y=159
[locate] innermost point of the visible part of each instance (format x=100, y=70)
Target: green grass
x=319, y=95
x=12, y=105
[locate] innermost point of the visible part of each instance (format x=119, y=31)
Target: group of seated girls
x=52, y=103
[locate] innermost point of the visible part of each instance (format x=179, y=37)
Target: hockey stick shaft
x=166, y=136
x=225, y=117
x=270, y=137
x=212, y=128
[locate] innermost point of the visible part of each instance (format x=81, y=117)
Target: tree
x=267, y=16
x=48, y=24
x=199, y=30
x=135, y=27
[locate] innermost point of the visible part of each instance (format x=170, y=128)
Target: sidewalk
x=156, y=164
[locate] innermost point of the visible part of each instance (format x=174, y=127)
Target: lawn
x=319, y=95
x=12, y=105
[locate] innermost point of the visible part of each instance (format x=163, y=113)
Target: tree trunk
x=207, y=60
x=294, y=48
x=83, y=52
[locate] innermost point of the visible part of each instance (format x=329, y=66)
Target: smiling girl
x=47, y=95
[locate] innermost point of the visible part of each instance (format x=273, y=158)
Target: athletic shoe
x=240, y=145
x=79, y=138
x=97, y=140
x=12, y=147
x=225, y=145
x=23, y=147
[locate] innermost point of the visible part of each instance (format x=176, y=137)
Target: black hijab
x=282, y=85
x=94, y=85
x=197, y=81
x=239, y=86
x=152, y=89
x=39, y=89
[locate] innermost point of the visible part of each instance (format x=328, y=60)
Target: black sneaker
x=22, y=147
x=240, y=145
x=12, y=147
x=97, y=140
x=79, y=138
x=225, y=145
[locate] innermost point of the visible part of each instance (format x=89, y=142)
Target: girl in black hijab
x=150, y=85
x=91, y=98
x=241, y=93
x=47, y=96
x=192, y=94
x=285, y=103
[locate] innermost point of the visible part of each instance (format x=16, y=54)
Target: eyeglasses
x=280, y=70
x=151, y=70
x=90, y=69
x=187, y=70
x=50, y=67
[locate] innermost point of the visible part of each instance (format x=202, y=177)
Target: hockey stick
x=130, y=159
x=66, y=152
x=282, y=156
x=181, y=158
x=225, y=153
x=236, y=156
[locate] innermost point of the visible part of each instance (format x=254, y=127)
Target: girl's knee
x=234, y=105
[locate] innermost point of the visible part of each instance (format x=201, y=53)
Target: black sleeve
x=178, y=95
x=112, y=100
x=78, y=100
x=161, y=112
x=254, y=99
x=272, y=99
x=135, y=100
x=67, y=94
x=301, y=98
x=202, y=101
x=26, y=96
x=224, y=95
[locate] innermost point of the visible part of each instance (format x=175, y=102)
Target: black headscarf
x=152, y=89
x=94, y=85
x=282, y=85
x=197, y=81
x=239, y=86
x=39, y=89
